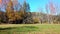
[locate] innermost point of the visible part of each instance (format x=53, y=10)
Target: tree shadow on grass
x=21, y=28
x=7, y=28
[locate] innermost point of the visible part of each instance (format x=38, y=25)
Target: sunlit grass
x=30, y=28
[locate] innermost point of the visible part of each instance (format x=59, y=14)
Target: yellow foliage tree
x=9, y=11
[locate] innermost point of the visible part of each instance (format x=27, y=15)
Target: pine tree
x=27, y=18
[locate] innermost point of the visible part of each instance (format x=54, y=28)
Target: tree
x=27, y=16
x=48, y=18
x=52, y=8
x=10, y=11
x=16, y=5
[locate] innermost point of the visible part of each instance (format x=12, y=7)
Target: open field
x=30, y=29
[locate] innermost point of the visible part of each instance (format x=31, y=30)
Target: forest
x=16, y=13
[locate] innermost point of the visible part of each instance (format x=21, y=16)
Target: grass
x=30, y=29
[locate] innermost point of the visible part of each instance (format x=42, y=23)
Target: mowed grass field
x=30, y=29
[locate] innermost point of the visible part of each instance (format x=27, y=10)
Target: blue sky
x=35, y=5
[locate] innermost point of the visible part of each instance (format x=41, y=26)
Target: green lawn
x=30, y=29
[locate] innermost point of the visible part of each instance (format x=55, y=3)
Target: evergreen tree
x=27, y=18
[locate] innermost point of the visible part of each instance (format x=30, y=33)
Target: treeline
x=19, y=13
x=43, y=18
x=15, y=13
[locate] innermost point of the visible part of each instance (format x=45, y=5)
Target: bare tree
x=53, y=10
x=48, y=18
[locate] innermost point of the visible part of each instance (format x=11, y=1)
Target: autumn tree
x=3, y=4
x=1, y=16
x=10, y=11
